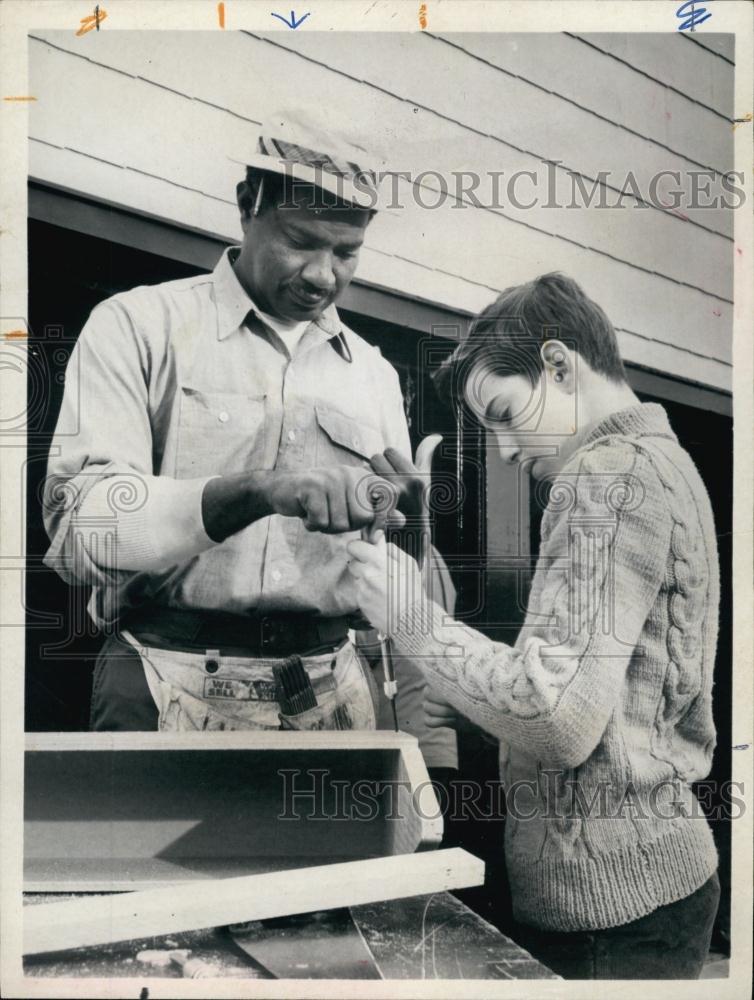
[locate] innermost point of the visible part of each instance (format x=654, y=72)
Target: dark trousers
x=670, y=943
x=121, y=699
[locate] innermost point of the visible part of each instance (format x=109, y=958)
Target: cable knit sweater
x=603, y=706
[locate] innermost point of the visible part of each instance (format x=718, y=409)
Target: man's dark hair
x=506, y=336
x=279, y=189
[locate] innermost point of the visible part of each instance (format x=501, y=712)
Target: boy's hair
x=280, y=189
x=506, y=336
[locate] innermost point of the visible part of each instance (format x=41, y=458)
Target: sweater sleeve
x=604, y=547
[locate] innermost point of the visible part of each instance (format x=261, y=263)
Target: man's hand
x=332, y=500
x=404, y=476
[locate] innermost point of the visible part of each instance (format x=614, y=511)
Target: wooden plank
x=81, y=922
x=389, y=926
x=669, y=58
x=614, y=90
x=258, y=740
x=415, y=817
x=145, y=810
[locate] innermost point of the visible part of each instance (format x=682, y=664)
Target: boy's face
x=534, y=425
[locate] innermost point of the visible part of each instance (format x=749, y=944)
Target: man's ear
x=559, y=363
x=243, y=197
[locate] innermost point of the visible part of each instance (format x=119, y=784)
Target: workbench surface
x=422, y=937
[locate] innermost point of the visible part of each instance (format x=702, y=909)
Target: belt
x=271, y=635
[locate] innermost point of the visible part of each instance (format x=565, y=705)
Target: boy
x=603, y=705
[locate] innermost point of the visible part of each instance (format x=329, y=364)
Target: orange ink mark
x=221, y=14
x=16, y=335
x=741, y=121
x=423, y=16
x=93, y=21
x=19, y=98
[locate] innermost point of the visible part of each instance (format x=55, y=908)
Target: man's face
x=531, y=425
x=296, y=261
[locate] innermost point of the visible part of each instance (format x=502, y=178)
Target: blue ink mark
x=293, y=23
x=692, y=15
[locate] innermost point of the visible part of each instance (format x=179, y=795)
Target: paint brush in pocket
x=297, y=701
x=293, y=686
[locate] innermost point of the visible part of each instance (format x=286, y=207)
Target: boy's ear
x=559, y=363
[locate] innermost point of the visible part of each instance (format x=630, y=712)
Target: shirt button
x=223, y=417
x=356, y=442
x=276, y=575
x=291, y=435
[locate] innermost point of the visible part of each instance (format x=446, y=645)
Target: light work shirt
x=170, y=385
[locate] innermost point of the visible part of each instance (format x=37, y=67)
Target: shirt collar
x=234, y=303
x=644, y=420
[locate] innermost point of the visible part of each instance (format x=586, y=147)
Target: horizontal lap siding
x=674, y=61
x=483, y=103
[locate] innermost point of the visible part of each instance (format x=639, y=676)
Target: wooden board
x=123, y=811
x=465, y=935
x=100, y=920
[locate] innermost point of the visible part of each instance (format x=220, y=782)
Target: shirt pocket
x=219, y=432
x=344, y=440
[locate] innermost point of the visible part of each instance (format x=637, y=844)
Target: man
x=603, y=706
x=211, y=460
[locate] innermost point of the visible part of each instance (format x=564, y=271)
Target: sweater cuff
x=441, y=646
x=165, y=530
x=418, y=631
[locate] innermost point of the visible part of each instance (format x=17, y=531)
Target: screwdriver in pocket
x=372, y=534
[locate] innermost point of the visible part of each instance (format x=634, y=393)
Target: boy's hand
x=438, y=712
x=387, y=581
